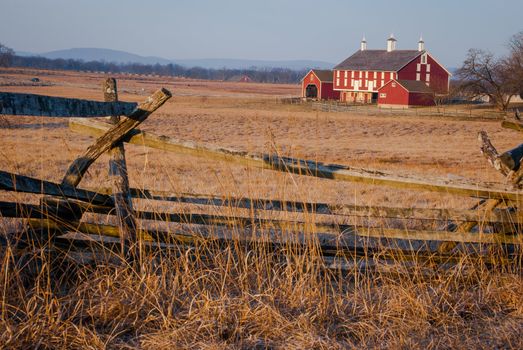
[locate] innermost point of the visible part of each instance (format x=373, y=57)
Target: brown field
x=245, y=300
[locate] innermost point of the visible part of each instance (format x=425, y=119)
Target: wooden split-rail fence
x=494, y=221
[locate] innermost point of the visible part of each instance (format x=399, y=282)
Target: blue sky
x=327, y=30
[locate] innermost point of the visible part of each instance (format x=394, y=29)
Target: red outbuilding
x=367, y=73
x=317, y=84
x=404, y=93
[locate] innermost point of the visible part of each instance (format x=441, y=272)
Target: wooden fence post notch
x=120, y=181
x=114, y=135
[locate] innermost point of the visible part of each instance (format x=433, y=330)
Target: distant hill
x=108, y=55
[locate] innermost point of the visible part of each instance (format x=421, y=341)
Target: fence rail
x=442, y=111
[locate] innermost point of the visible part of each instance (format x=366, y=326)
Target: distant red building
x=364, y=76
x=242, y=78
x=317, y=84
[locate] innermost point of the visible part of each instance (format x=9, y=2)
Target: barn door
x=311, y=91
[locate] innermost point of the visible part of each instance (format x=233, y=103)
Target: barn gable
x=324, y=75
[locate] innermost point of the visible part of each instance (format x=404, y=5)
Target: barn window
x=375, y=75
x=418, y=67
x=427, y=77
x=345, y=81
x=418, y=78
x=352, y=82
x=338, y=81
x=382, y=75
x=382, y=82
x=391, y=75
x=383, y=95
x=424, y=59
x=346, y=73
x=428, y=68
x=352, y=74
x=337, y=74
x=375, y=83
x=393, y=84
x=366, y=75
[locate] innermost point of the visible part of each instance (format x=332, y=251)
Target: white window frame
x=366, y=75
x=352, y=82
x=337, y=81
x=391, y=75
x=352, y=74
x=418, y=67
x=427, y=77
x=382, y=75
x=346, y=74
x=418, y=76
x=383, y=95
x=337, y=74
x=424, y=58
x=382, y=82
x=345, y=81
x=375, y=75
x=428, y=67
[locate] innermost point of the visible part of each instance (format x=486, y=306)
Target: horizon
x=272, y=31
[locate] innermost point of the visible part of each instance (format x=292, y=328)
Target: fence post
x=120, y=184
x=79, y=166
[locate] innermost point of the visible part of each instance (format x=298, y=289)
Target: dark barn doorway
x=311, y=91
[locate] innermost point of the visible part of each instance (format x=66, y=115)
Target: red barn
x=360, y=77
x=317, y=84
x=404, y=93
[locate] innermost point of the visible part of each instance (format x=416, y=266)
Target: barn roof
x=322, y=74
x=415, y=86
x=379, y=60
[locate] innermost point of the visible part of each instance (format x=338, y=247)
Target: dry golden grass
x=214, y=297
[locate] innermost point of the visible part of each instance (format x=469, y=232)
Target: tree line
x=262, y=75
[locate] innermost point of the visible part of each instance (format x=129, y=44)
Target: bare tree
x=483, y=74
x=6, y=56
x=514, y=62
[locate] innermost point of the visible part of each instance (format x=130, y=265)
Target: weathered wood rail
x=39, y=105
x=299, y=166
x=64, y=206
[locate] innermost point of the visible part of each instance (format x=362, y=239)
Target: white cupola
x=391, y=43
x=421, y=44
x=363, y=44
